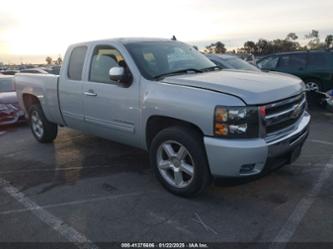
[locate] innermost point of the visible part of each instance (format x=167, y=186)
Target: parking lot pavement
x=87, y=189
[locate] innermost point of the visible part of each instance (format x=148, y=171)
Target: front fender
x=189, y=104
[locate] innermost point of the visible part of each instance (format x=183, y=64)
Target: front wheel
x=312, y=86
x=43, y=130
x=179, y=160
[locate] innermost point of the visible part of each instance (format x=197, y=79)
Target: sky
x=31, y=30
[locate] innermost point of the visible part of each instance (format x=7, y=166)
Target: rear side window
x=76, y=62
x=292, y=61
x=317, y=60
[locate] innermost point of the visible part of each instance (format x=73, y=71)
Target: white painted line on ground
x=54, y=222
x=316, y=155
x=288, y=229
x=56, y=169
x=320, y=142
x=312, y=165
x=200, y=221
x=70, y=203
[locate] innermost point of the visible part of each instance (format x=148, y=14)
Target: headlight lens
x=3, y=107
x=236, y=122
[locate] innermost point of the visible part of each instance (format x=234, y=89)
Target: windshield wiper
x=160, y=76
x=213, y=68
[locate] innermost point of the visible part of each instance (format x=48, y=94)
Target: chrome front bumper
x=244, y=157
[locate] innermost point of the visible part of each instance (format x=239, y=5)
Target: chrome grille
x=282, y=114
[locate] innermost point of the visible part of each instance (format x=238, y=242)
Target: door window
x=292, y=61
x=103, y=59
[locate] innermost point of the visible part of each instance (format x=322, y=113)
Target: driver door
x=111, y=109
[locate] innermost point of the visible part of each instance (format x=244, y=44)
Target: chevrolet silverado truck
x=197, y=121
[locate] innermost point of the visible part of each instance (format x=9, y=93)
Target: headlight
x=3, y=107
x=236, y=122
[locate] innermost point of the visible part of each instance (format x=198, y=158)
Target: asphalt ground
x=83, y=190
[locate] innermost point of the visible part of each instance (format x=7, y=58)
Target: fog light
x=246, y=168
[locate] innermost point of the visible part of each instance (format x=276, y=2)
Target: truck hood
x=252, y=87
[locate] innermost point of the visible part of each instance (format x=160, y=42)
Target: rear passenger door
x=293, y=64
x=111, y=110
x=318, y=68
x=71, y=87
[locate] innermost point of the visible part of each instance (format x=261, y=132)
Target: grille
x=282, y=114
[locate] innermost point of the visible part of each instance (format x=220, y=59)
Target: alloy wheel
x=175, y=164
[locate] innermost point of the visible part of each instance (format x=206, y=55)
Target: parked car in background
x=10, y=72
x=10, y=111
x=314, y=67
x=34, y=70
x=231, y=62
x=53, y=69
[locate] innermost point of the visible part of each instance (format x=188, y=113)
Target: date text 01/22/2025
x=165, y=245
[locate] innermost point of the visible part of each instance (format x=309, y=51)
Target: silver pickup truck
x=196, y=120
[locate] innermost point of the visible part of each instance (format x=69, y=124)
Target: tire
x=313, y=85
x=179, y=161
x=43, y=130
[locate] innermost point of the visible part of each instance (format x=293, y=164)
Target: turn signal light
x=221, y=115
x=221, y=129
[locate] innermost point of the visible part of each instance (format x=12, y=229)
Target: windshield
x=165, y=57
x=6, y=85
x=236, y=63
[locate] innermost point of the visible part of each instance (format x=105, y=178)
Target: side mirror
x=117, y=73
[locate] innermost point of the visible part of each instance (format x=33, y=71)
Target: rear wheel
x=43, y=130
x=179, y=160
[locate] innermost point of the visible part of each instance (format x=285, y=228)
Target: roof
x=304, y=51
x=125, y=40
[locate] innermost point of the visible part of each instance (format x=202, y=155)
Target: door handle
x=90, y=93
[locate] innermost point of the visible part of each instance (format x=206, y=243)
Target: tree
x=263, y=47
x=329, y=41
x=59, y=61
x=216, y=48
x=250, y=47
x=279, y=45
x=210, y=48
x=291, y=37
x=48, y=60
x=220, y=48
x=314, y=42
x=312, y=34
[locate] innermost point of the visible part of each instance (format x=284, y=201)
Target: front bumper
x=245, y=157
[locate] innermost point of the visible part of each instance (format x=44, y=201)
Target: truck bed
x=45, y=87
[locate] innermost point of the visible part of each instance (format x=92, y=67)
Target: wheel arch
x=29, y=100
x=157, y=123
